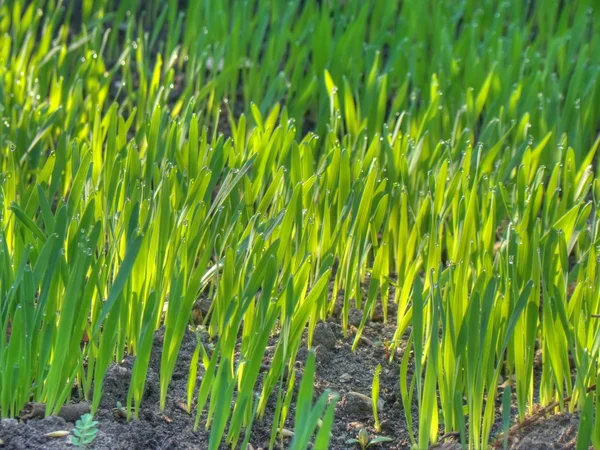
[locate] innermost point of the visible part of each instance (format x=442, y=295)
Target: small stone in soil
x=376, y=325
x=345, y=378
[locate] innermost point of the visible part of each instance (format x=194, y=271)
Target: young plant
x=365, y=441
x=375, y=397
x=85, y=431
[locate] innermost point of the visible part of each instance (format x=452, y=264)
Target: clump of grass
x=270, y=156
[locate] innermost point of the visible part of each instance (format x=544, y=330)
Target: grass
x=152, y=153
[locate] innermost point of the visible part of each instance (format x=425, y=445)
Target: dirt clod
x=322, y=355
x=346, y=378
x=553, y=433
x=354, y=317
x=31, y=435
x=355, y=407
x=323, y=336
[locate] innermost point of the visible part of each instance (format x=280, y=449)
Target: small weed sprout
x=365, y=441
x=85, y=431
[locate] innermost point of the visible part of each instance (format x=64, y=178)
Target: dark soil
x=553, y=433
x=172, y=428
x=338, y=369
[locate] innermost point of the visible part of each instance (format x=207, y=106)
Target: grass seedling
x=365, y=441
